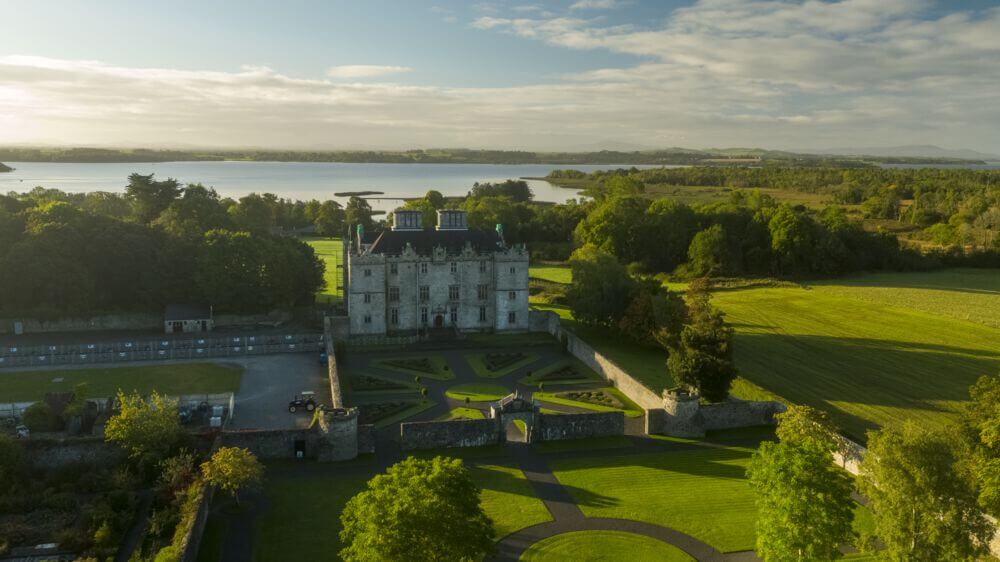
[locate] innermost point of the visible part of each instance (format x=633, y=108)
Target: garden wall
x=454, y=433
x=366, y=438
x=739, y=413
x=556, y=427
x=548, y=321
x=273, y=444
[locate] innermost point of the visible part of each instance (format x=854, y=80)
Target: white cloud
x=364, y=70
x=594, y=5
x=718, y=73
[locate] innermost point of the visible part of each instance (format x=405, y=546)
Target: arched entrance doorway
x=517, y=417
x=439, y=321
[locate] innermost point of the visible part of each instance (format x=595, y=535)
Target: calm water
x=294, y=180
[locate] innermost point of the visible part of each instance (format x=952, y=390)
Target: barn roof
x=423, y=242
x=177, y=312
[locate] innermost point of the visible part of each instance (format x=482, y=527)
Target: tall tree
x=708, y=252
x=149, y=196
x=233, y=470
x=358, y=212
x=329, y=219
x=602, y=288
x=924, y=509
x=804, y=506
x=146, y=429
x=702, y=357
x=980, y=432
x=418, y=510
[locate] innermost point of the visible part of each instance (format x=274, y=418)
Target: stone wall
x=739, y=413
x=366, y=439
x=455, y=433
x=548, y=321
x=555, y=427
x=273, y=444
x=50, y=454
x=333, y=373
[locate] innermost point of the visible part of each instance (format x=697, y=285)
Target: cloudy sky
x=571, y=74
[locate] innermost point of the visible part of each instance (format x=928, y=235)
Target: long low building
x=407, y=278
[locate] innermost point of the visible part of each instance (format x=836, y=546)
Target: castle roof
x=423, y=242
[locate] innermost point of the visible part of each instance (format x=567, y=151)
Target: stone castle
x=408, y=278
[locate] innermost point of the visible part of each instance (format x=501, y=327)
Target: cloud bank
x=719, y=73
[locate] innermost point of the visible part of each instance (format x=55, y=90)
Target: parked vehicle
x=303, y=401
x=323, y=360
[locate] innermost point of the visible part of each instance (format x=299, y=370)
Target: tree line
x=945, y=206
x=157, y=243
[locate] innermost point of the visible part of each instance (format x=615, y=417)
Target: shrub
x=12, y=463
x=39, y=417
x=74, y=539
x=168, y=554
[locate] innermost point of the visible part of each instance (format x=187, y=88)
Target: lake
x=293, y=180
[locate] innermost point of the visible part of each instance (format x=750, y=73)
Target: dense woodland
x=157, y=243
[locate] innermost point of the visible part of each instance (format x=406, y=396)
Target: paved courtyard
x=270, y=382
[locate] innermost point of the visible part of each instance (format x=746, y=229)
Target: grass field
x=869, y=349
x=554, y=273
x=587, y=375
x=477, y=392
x=867, y=363
x=330, y=250
x=303, y=520
x=594, y=546
x=177, y=379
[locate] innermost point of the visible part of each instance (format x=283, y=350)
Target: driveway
x=270, y=382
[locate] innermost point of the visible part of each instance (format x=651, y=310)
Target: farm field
x=176, y=379
x=330, y=251
x=869, y=349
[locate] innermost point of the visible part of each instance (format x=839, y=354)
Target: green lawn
x=868, y=349
x=866, y=363
x=631, y=409
x=420, y=406
x=175, y=380
x=303, y=518
x=963, y=294
x=477, y=392
x=330, y=250
x=478, y=363
x=701, y=492
x=463, y=414
x=439, y=367
x=554, y=273
x=595, y=546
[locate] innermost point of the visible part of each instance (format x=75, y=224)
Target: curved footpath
x=567, y=517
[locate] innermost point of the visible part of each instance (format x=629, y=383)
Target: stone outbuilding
x=188, y=318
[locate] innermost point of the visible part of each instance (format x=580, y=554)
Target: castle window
x=512, y=317
x=512, y=296
x=481, y=292
x=368, y=298
x=394, y=316
x=368, y=318
x=454, y=267
x=513, y=270
x=393, y=268
x=453, y=292
x=482, y=267
x=454, y=315
x=482, y=314
x=423, y=316
x=425, y=293
x=393, y=294
x=423, y=268
x=368, y=273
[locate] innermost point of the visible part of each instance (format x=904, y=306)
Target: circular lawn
x=477, y=392
x=586, y=546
